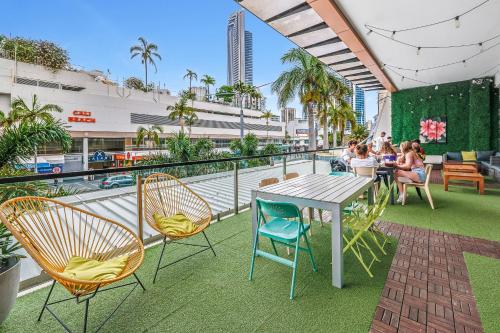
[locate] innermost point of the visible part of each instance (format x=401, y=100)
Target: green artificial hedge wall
x=471, y=108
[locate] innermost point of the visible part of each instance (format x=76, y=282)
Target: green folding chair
x=283, y=224
x=359, y=227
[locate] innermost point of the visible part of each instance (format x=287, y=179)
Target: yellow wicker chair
x=167, y=196
x=52, y=232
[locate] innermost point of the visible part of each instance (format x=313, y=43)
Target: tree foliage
x=39, y=52
x=225, y=93
x=246, y=147
x=359, y=133
x=137, y=84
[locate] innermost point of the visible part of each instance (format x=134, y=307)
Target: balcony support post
x=236, y=199
x=140, y=226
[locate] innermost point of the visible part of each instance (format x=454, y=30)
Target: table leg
x=254, y=214
x=371, y=199
x=391, y=183
x=337, y=248
x=481, y=186
x=446, y=183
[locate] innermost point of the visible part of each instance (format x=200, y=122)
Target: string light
x=449, y=46
x=455, y=18
x=393, y=34
x=463, y=61
x=402, y=78
x=481, y=48
x=369, y=31
x=418, y=50
x=416, y=73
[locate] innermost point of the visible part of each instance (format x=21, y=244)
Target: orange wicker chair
x=52, y=232
x=167, y=196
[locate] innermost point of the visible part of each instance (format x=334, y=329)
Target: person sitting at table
x=363, y=159
x=418, y=149
x=410, y=166
x=387, y=152
x=371, y=152
x=348, y=153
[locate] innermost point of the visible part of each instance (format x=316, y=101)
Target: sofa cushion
x=453, y=156
x=484, y=155
x=469, y=156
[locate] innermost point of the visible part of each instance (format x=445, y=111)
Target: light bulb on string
x=481, y=48
x=418, y=50
x=402, y=78
x=382, y=67
x=416, y=73
x=369, y=31
x=464, y=62
x=457, y=22
x=393, y=34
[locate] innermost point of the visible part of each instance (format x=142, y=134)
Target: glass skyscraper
x=358, y=104
x=239, y=50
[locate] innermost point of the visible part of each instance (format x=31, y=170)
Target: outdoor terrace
x=436, y=276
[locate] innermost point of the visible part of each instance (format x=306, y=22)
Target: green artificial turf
x=211, y=294
x=483, y=274
x=461, y=210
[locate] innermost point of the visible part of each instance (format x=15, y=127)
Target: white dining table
x=329, y=193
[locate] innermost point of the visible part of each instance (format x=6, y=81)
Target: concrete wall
x=111, y=105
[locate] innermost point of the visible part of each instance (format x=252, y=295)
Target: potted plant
x=10, y=271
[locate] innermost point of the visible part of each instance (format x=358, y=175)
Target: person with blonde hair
x=410, y=166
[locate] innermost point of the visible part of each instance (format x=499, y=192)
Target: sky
x=190, y=34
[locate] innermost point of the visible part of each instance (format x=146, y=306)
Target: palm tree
x=302, y=80
x=331, y=90
x=208, y=81
x=179, y=111
x=150, y=134
x=5, y=120
x=339, y=117
x=189, y=120
x=243, y=90
x=34, y=113
x=267, y=115
x=191, y=75
x=147, y=52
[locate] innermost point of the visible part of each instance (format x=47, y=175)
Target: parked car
x=116, y=181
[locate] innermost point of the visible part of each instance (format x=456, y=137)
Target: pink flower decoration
x=426, y=127
x=440, y=129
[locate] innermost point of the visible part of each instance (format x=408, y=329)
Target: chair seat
x=408, y=181
x=279, y=228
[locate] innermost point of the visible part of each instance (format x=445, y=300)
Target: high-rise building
x=356, y=100
x=358, y=104
x=239, y=50
x=248, y=58
x=288, y=115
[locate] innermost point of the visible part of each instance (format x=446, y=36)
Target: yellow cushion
x=468, y=156
x=79, y=268
x=176, y=225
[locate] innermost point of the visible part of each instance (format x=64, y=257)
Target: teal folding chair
x=341, y=173
x=282, y=223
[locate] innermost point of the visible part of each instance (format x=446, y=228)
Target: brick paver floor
x=428, y=287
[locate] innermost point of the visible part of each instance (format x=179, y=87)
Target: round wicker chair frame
x=166, y=195
x=52, y=232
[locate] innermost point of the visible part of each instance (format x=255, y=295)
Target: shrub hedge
x=471, y=108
